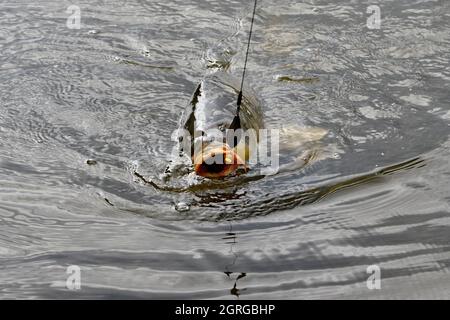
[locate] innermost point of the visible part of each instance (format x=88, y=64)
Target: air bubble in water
x=182, y=207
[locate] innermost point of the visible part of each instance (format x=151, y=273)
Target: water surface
x=113, y=91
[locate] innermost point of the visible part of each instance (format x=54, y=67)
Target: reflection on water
x=87, y=117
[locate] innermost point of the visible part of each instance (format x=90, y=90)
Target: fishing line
x=236, y=121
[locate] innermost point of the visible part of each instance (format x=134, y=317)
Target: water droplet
x=182, y=207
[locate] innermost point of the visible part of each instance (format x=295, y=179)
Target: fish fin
x=236, y=123
x=300, y=162
x=292, y=138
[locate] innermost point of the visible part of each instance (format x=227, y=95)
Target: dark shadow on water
x=231, y=239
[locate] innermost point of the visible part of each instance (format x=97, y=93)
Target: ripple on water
x=114, y=96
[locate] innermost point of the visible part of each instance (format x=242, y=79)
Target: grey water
x=112, y=89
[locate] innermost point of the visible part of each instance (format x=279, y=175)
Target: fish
x=208, y=119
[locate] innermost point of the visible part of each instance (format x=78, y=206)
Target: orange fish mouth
x=217, y=161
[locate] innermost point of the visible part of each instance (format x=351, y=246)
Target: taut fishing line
x=236, y=121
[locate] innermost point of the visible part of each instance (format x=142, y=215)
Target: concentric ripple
x=87, y=118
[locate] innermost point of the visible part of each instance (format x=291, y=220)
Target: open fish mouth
x=217, y=161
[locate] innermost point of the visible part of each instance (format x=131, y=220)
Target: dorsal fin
x=236, y=123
